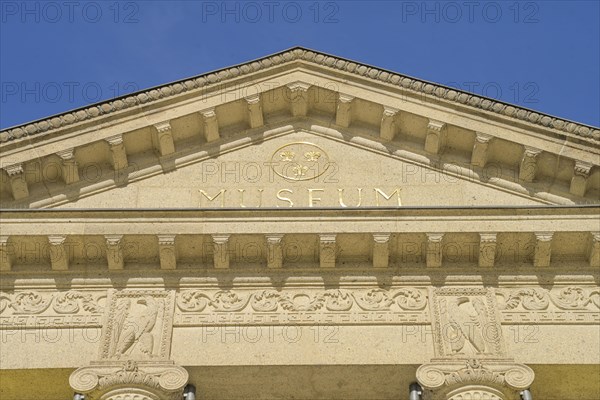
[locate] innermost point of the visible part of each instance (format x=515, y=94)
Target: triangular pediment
x=297, y=167
x=390, y=139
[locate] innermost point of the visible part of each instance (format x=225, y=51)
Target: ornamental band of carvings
x=408, y=299
x=138, y=325
x=69, y=302
x=535, y=299
x=73, y=308
x=566, y=305
x=302, y=306
x=215, y=79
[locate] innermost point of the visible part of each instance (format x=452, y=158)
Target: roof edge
x=297, y=53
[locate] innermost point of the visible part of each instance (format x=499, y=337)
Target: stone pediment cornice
x=301, y=56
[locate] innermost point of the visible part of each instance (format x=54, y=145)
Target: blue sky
x=58, y=55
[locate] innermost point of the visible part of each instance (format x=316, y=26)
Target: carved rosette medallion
x=135, y=349
x=300, y=161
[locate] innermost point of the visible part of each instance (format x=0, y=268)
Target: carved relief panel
x=138, y=325
x=466, y=323
x=135, y=350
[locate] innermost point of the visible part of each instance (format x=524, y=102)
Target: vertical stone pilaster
x=59, y=257
x=70, y=172
x=543, y=245
x=434, y=250
x=487, y=249
x=327, y=250
x=343, y=115
x=528, y=166
x=435, y=141
x=114, y=252
x=211, y=124
x=381, y=250
x=117, y=151
x=387, y=129
x=162, y=139
x=581, y=173
x=167, y=252
x=18, y=184
x=255, y=111
x=299, y=98
x=479, y=155
x=594, y=250
x=221, y=251
x=274, y=251
x=5, y=260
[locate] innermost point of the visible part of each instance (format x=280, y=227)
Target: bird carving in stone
x=147, y=322
x=131, y=331
x=467, y=326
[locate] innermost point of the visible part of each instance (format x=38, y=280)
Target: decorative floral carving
x=287, y=155
x=69, y=303
x=312, y=155
x=338, y=300
x=227, y=300
x=374, y=300
x=4, y=302
x=474, y=372
x=411, y=299
x=534, y=299
x=301, y=302
x=129, y=375
x=572, y=298
x=299, y=170
x=30, y=303
x=192, y=300
x=531, y=299
x=265, y=301
x=224, y=300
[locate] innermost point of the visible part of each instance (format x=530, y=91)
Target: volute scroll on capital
x=498, y=379
x=130, y=381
